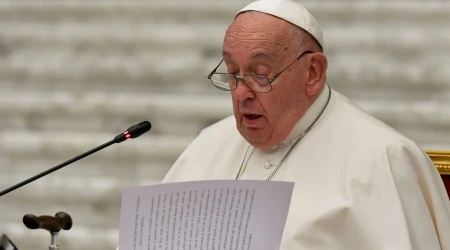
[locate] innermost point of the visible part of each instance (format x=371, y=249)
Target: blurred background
x=75, y=74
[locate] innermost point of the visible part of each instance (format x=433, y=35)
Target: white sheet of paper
x=205, y=215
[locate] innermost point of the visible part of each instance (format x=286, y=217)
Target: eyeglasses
x=258, y=83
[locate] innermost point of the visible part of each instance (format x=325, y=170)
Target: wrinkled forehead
x=252, y=31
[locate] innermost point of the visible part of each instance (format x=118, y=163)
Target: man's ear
x=317, y=74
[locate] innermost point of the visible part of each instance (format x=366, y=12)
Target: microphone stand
x=132, y=132
x=25, y=182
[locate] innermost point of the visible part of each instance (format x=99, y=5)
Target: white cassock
x=359, y=184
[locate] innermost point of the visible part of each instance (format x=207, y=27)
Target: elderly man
x=359, y=184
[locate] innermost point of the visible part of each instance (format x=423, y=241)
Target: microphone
x=131, y=133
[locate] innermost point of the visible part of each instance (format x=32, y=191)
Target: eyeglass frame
x=237, y=77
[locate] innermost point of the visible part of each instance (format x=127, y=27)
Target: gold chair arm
x=441, y=159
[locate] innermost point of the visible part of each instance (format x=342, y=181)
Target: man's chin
x=255, y=137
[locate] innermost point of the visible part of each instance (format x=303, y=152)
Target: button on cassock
x=267, y=165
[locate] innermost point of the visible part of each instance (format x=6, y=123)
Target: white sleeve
x=417, y=214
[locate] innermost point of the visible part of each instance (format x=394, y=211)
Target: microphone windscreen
x=133, y=131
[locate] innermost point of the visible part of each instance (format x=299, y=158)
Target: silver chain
x=295, y=143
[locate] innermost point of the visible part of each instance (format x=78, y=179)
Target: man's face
x=257, y=43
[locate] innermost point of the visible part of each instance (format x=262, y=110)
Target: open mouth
x=252, y=116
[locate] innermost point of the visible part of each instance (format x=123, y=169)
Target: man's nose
x=243, y=90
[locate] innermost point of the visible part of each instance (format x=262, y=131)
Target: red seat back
x=446, y=179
